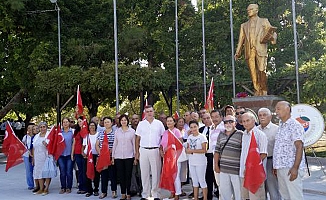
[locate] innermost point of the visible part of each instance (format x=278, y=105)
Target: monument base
x=256, y=102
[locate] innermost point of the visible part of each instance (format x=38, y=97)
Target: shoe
x=123, y=197
x=171, y=196
x=183, y=194
x=68, y=191
x=35, y=190
x=81, y=192
x=103, y=195
x=114, y=194
x=128, y=197
x=143, y=198
x=96, y=194
x=39, y=192
x=157, y=198
x=217, y=193
x=62, y=191
x=88, y=194
x=45, y=192
x=191, y=195
x=30, y=188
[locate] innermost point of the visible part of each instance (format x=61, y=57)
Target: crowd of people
x=216, y=144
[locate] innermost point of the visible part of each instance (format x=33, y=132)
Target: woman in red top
x=79, y=156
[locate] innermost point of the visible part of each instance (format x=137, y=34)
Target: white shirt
x=262, y=143
x=284, y=150
x=270, y=131
x=150, y=133
x=195, y=142
x=186, y=128
x=27, y=140
x=213, y=135
x=92, y=139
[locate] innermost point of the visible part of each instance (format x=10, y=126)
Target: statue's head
x=252, y=10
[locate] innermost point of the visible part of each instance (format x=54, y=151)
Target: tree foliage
x=146, y=32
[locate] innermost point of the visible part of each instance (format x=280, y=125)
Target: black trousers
x=209, y=176
x=106, y=175
x=124, y=171
x=96, y=180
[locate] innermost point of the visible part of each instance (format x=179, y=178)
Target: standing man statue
x=254, y=36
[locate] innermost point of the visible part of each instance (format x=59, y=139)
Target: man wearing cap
x=228, y=151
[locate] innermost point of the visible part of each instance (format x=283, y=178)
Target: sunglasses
x=228, y=121
x=237, y=113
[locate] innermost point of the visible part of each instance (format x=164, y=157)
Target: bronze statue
x=254, y=36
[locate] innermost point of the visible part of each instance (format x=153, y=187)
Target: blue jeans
x=81, y=164
x=66, y=173
x=29, y=172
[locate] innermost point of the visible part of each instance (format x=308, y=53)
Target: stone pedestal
x=256, y=102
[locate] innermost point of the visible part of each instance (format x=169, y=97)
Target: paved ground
x=13, y=185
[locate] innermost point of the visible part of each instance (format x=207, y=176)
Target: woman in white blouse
x=123, y=154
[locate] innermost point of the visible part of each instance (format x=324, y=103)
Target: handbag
x=219, y=160
x=49, y=169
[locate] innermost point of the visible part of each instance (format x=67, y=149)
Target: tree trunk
x=16, y=99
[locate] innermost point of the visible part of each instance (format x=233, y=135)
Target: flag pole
x=116, y=55
x=232, y=48
x=296, y=50
x=204, y=52
x=177, y=52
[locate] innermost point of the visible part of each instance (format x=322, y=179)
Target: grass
x=319, y=149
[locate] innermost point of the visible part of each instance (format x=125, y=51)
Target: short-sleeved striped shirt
x=110, y=137
x=230, y=157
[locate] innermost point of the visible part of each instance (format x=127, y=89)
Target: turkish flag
x=90, y=172
x=209, y=105
x=104, y=159
x=143, y=116
x=176, y=115
x=84, y=129
x=255, y=173
x=13, y=148
x=79, y=105
x=170, y=169
x=56, y=142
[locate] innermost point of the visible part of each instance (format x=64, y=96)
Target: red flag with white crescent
x=209, y=105
x=12, y=147
x=56, y=142
x=79, y=105
x=143, y=116
x=90, y=170
x=176, y=115
x=170, y=169
x=104, y=159
x=255, y=173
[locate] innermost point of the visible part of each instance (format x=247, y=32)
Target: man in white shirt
x=248, y=121
x=209, y=175
x=148, y=139
x=288, y=162
x=270, y=129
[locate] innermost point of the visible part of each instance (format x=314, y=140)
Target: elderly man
x=228, y=151
x=288, y=162
x=270, y=129
x=209, y=176
x=248, y=121
x=149, y=132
